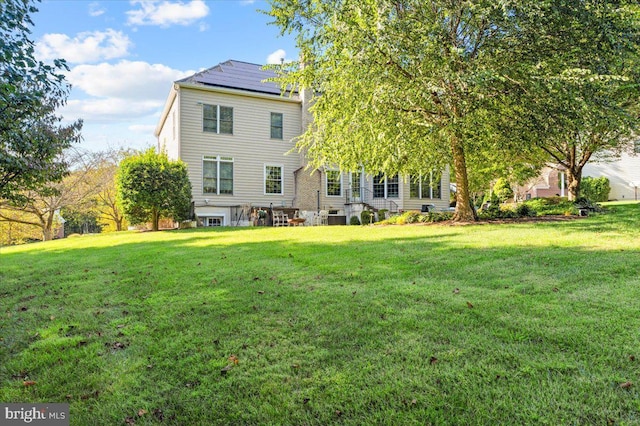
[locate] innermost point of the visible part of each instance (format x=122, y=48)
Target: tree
x=40, y=207
x=32, y=138
x=150, y=186
x=404, y=85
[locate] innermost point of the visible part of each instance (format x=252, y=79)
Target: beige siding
x=623, y=175
x=250, y=146
x=168, y=137
x=441, y=203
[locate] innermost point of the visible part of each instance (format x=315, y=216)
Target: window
x=217, y=175
x=276, y=125
x=273, y=179
x=210, y=221
x=217, y=119
x=356, y=186
x=425, y=187
x=388, y=187
x=334, y=183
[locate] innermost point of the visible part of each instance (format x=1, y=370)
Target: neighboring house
x=235, y=132
x=551, y=182
x=623, y=174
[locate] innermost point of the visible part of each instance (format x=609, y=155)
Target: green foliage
x=32, y=138
x=366, y=217
x=595, y=189
x=150, y=186
x=382, y=214
x=551, y=206
x=354, y=220
x=502, y=190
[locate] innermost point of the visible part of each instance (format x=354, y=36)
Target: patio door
x=355, y=184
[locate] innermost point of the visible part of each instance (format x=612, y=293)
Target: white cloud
x=124, y=91
x=276, y=57
x=126, y=79
x=166, y=13
x=143, y=129
x=84, y=47
x=95, y=9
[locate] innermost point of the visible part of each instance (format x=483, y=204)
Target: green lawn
x=532, y=323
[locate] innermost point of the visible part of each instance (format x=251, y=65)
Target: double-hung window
x=334, y=183
x=273, y=179
x=217, y=119
x=276, y=125
x=386, y=187
x=425, y=186
x=217, y=175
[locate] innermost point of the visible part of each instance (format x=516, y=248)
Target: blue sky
x=124, y=55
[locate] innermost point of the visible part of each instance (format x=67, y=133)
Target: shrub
x=365, y=217
x=382, y=214
x=525, y=210
x=595, y=189
x=502, y=190
x=354, y=220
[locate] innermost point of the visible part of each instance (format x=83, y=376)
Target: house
x=623, y=173
x=235, y=131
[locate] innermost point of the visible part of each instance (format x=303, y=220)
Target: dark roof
x=236, y=75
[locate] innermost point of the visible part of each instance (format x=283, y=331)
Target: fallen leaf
x=130, y=421
x=338, y=413
x=224, y=370
x=306, y=400
x=433, y=360
x=632, y=358
x=626, y=385
x=234, y=359
x=414, y=401
x=27, y=383
x=261, y=292
x=354, y=293
x=555, y=289
x=142, y=412
x=69, y=396
x=256, y=278
x=469, y=305
x=456, y=291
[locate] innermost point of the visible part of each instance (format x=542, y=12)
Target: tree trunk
x=573, y=183
x=464, y=211
x=155, y=218
x=118, y=221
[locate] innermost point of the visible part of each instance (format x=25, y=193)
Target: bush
x=365, y=217
x=502, y=190
x=382, y=214
x=551, y=206
x=595, y=189
x=525, y=210
x=354, y=220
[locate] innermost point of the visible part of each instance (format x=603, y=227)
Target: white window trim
x=264, y=179
x=217, y=159
x=386, y=189
x=326, y=184
x=420, y=197
x=217, y=132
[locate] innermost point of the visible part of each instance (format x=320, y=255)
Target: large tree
x=151, y=186
x=32, y=137
x=582, y=102
x=405, y=86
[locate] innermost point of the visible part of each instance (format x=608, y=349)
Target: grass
x=532, y=323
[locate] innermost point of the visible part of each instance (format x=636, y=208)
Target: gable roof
x=240, y=75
